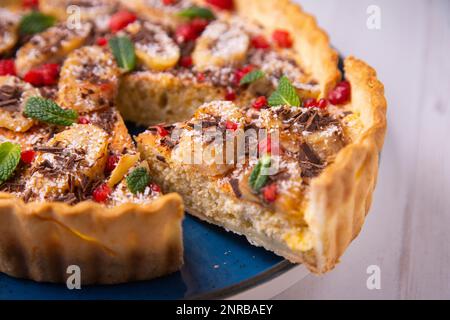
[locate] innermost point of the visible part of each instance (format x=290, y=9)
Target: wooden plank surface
x=407, y=233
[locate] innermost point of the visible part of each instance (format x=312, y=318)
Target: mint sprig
x=48, y=111
x=285, y=95
x=35, y=22
x=9, y=159
x=197, y=12
x=252, y=77
x=258, y=177
x=123, y=51
x=138, y=180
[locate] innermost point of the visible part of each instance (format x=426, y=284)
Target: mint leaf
x=257, y=178
x=123, y=51
x=9, y=159
x=48, y=111
x=284, y=95
x=197, y=12
x=138, y=180
x=35, y=22
x=252, y=77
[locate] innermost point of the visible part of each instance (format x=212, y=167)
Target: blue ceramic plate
x=217, y=264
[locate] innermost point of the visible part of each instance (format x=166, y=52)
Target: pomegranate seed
x=111, y=163
x=222, y=4
x=260, y=42
x=260, y=103
x=282, y=38
x=341, y=94
x=201, y=77
x=169, y=2
x=101, y=193
x=230, y=125
x=310, y=103
x=83, y=120
x=199, y=25
x=45, y=75
x=120, y=20
x=322, y=103
x=266, y=147
x=30, y=4
x=230, y=95
x=102, y=41
x=241, y=73
x=162, y=131
x=270, y=193
x=27, y=156
x=155, y=188
x=186, y=62
x=7, y=67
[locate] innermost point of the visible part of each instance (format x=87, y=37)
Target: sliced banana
x=9, y=24
x=50, y=46
x=70, y=160
x=86, y=9
x=13, y=95
x=89, y=80
x=221, y=44
x=154, y=48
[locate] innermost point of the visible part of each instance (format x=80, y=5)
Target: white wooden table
x=407, y=233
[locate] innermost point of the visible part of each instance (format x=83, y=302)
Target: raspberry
x=260, y=42
x=111, y=163
x=27, y=156
x=270, y=193
x=341, y=94
x=7, y=67
x=120, y=20
x=45, y=75
x=282, y=38
x=222, y=4
x=101, y=193
x=260, y=103
x=186, y=62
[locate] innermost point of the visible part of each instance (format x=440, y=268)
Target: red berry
x=30, y=4
x=186, y=62
x=260, y=42
x=341, y=94
x=101, y=193
x=310, y=103
x=155, y=188
x=120, y=20
x=199, y=25
x=45, y=75
x=230, y=95
x=241, y=73
x=162, y=131
x=7, y=67
x=270, y=193
x=111, y=163
x=222, y=4
x=267, y=147
x=102, y=41
x=169, y=2
x=322, y=103
x=83, y=120
x=282, y=38
x=260, y=103
x=27, y=156
x=230, y=125
x=190, y=31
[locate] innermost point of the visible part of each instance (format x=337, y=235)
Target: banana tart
x=251, y=126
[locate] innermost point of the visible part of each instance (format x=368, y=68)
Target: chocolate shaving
x=308, y=154
x=161, y=158
x=309, y=161
x=54, y=150
x=234, y=183
x=168, y=142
